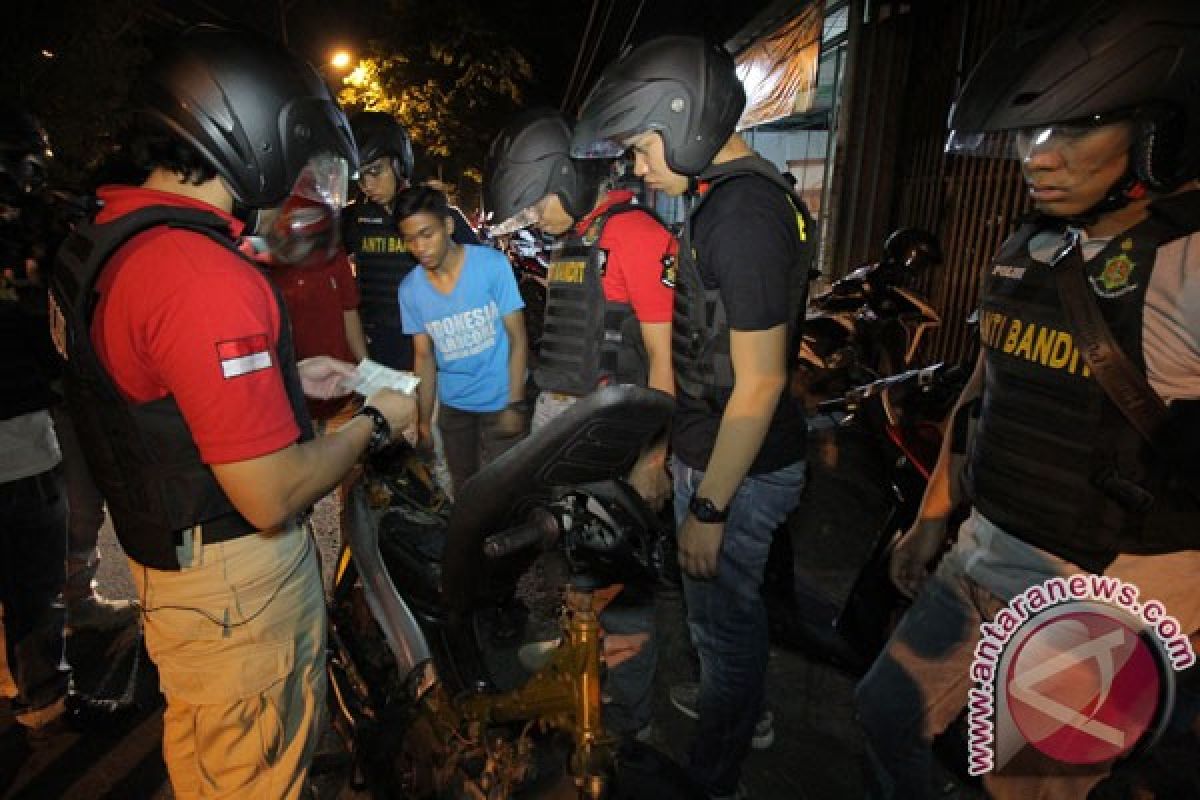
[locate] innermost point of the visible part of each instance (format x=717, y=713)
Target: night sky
x=551, y=31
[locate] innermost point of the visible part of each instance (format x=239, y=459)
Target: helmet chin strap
x=1126, y=190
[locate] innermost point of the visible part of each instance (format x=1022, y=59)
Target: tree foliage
x=448, y=72
x=71, y=64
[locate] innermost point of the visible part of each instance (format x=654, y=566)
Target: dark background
x=74, y=64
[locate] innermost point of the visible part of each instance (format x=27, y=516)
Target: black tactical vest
x=588, y=341
x=381, y=261
x=1054, y=461
x=142, y=456
x=700, y=329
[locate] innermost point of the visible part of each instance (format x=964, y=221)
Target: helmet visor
x=599, y=148
x=1023, y=143
x=990, y=144
x=303, y=232
x=524, y=218
x=594, y=139
x=325, y=179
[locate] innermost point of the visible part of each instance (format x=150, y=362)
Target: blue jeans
x=728, y=620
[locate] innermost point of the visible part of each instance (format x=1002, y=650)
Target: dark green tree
x=453, y=74
x=72, y=64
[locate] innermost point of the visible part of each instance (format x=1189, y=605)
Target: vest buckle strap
x=1128, y=494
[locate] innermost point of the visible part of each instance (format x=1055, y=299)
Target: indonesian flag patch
x=243, y=356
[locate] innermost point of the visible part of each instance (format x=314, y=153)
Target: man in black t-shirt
x=738, y=437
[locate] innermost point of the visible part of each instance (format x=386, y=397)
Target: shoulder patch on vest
x=669, y=272
x=592, y=234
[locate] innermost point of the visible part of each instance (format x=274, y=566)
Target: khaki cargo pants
x=238, y=636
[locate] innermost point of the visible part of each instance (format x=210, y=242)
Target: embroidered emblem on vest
x=1113, y=281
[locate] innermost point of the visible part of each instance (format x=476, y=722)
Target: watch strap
x=706, y=511
x=381, y=429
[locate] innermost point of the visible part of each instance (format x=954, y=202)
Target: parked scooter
x=869, y=324
x=871, y=453
x=427, y=684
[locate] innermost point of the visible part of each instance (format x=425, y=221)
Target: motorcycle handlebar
x=832, y=406
x=923, y=378
x=540, y=529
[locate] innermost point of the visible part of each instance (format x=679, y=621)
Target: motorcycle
x=869, y=324
x=871, y=453
x=526, y=253
x=428, y=681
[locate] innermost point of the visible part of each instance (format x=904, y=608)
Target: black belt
x=233, y=526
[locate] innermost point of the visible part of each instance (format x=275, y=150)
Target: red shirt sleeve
x=181, y=315
x=636, y=247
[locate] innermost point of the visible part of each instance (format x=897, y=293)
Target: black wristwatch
x=520, y=406
x=705, y=511
x=381, y=430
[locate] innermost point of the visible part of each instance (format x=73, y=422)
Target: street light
x=340, y=60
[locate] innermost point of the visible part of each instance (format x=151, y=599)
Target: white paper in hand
x=372, y=376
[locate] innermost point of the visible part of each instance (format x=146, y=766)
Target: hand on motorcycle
x=323, y=377
x=913, y=552
x=700, y=547
x=650, y=479
x=400, y=409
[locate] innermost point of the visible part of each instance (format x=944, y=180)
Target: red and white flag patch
x=243, y=356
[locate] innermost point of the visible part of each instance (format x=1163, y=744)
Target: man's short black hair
x=421, y=200
x=152, y=146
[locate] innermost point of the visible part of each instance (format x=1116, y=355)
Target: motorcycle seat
x=597, y=439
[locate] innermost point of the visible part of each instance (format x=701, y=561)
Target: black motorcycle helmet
x=378, y=134
x=530, y=159
x=24, y=151
x=252, y=109
x=911, y=250
x=1088, y=63
x=685, y=88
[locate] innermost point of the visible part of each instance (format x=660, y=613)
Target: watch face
x=703, y=509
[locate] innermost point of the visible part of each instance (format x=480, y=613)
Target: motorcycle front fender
x=404, y=636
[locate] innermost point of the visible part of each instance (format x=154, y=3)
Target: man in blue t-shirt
x=464, y=313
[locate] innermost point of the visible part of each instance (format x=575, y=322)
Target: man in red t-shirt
x=314, y=276
x=190, y=407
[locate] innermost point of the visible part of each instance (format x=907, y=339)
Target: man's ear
x=449, y=223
